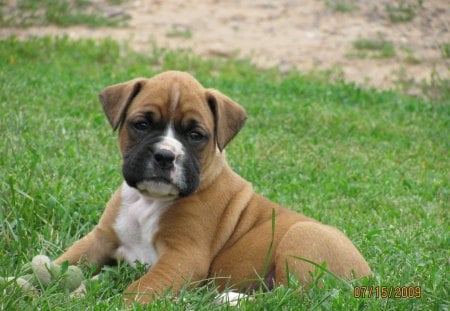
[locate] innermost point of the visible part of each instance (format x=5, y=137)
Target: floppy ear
x=117, y=98
x=229, y=117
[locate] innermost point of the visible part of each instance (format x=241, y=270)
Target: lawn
x=374, y=164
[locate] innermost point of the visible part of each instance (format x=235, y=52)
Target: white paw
x=231, y=298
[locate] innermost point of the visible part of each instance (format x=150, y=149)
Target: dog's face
x=171, y=131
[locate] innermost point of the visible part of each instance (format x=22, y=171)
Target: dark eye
x=141, y=125
x=195, y=136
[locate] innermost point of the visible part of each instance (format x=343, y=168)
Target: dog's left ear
x=229, y=117
x=117, y=98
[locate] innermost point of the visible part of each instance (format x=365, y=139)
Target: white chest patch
x=136, y=225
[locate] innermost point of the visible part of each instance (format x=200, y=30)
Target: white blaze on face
x=170, y=143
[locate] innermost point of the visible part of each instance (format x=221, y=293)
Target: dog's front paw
x=138, y=292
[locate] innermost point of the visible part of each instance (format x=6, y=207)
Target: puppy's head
x=171, y=131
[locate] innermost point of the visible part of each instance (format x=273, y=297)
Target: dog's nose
x=164, y=158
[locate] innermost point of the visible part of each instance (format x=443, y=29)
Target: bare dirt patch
x=308, y=35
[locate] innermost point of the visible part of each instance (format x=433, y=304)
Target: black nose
x=164, y=158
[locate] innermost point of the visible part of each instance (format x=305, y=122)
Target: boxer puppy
x=181, y=209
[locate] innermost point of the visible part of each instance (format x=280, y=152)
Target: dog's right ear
x=117, y=98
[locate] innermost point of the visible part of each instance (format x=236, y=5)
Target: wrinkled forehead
x=172, y=101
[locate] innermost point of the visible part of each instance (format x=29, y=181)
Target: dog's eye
x=195, y=136
x=141, y=126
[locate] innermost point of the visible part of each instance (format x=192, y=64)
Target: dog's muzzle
x=161, y=168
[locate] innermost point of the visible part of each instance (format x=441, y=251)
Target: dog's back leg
x=318, y=243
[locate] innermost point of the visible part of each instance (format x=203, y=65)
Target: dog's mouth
x=159, y=179
x=158, y=188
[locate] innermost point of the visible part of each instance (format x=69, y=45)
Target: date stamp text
x=386, y=292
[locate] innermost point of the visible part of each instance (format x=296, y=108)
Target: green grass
x=179, y=32
x=445, y=49
x=26, y=13
x=403, y=11
x=374, y=164
x=373, y=48
x=409, y=57
x=342, y=6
